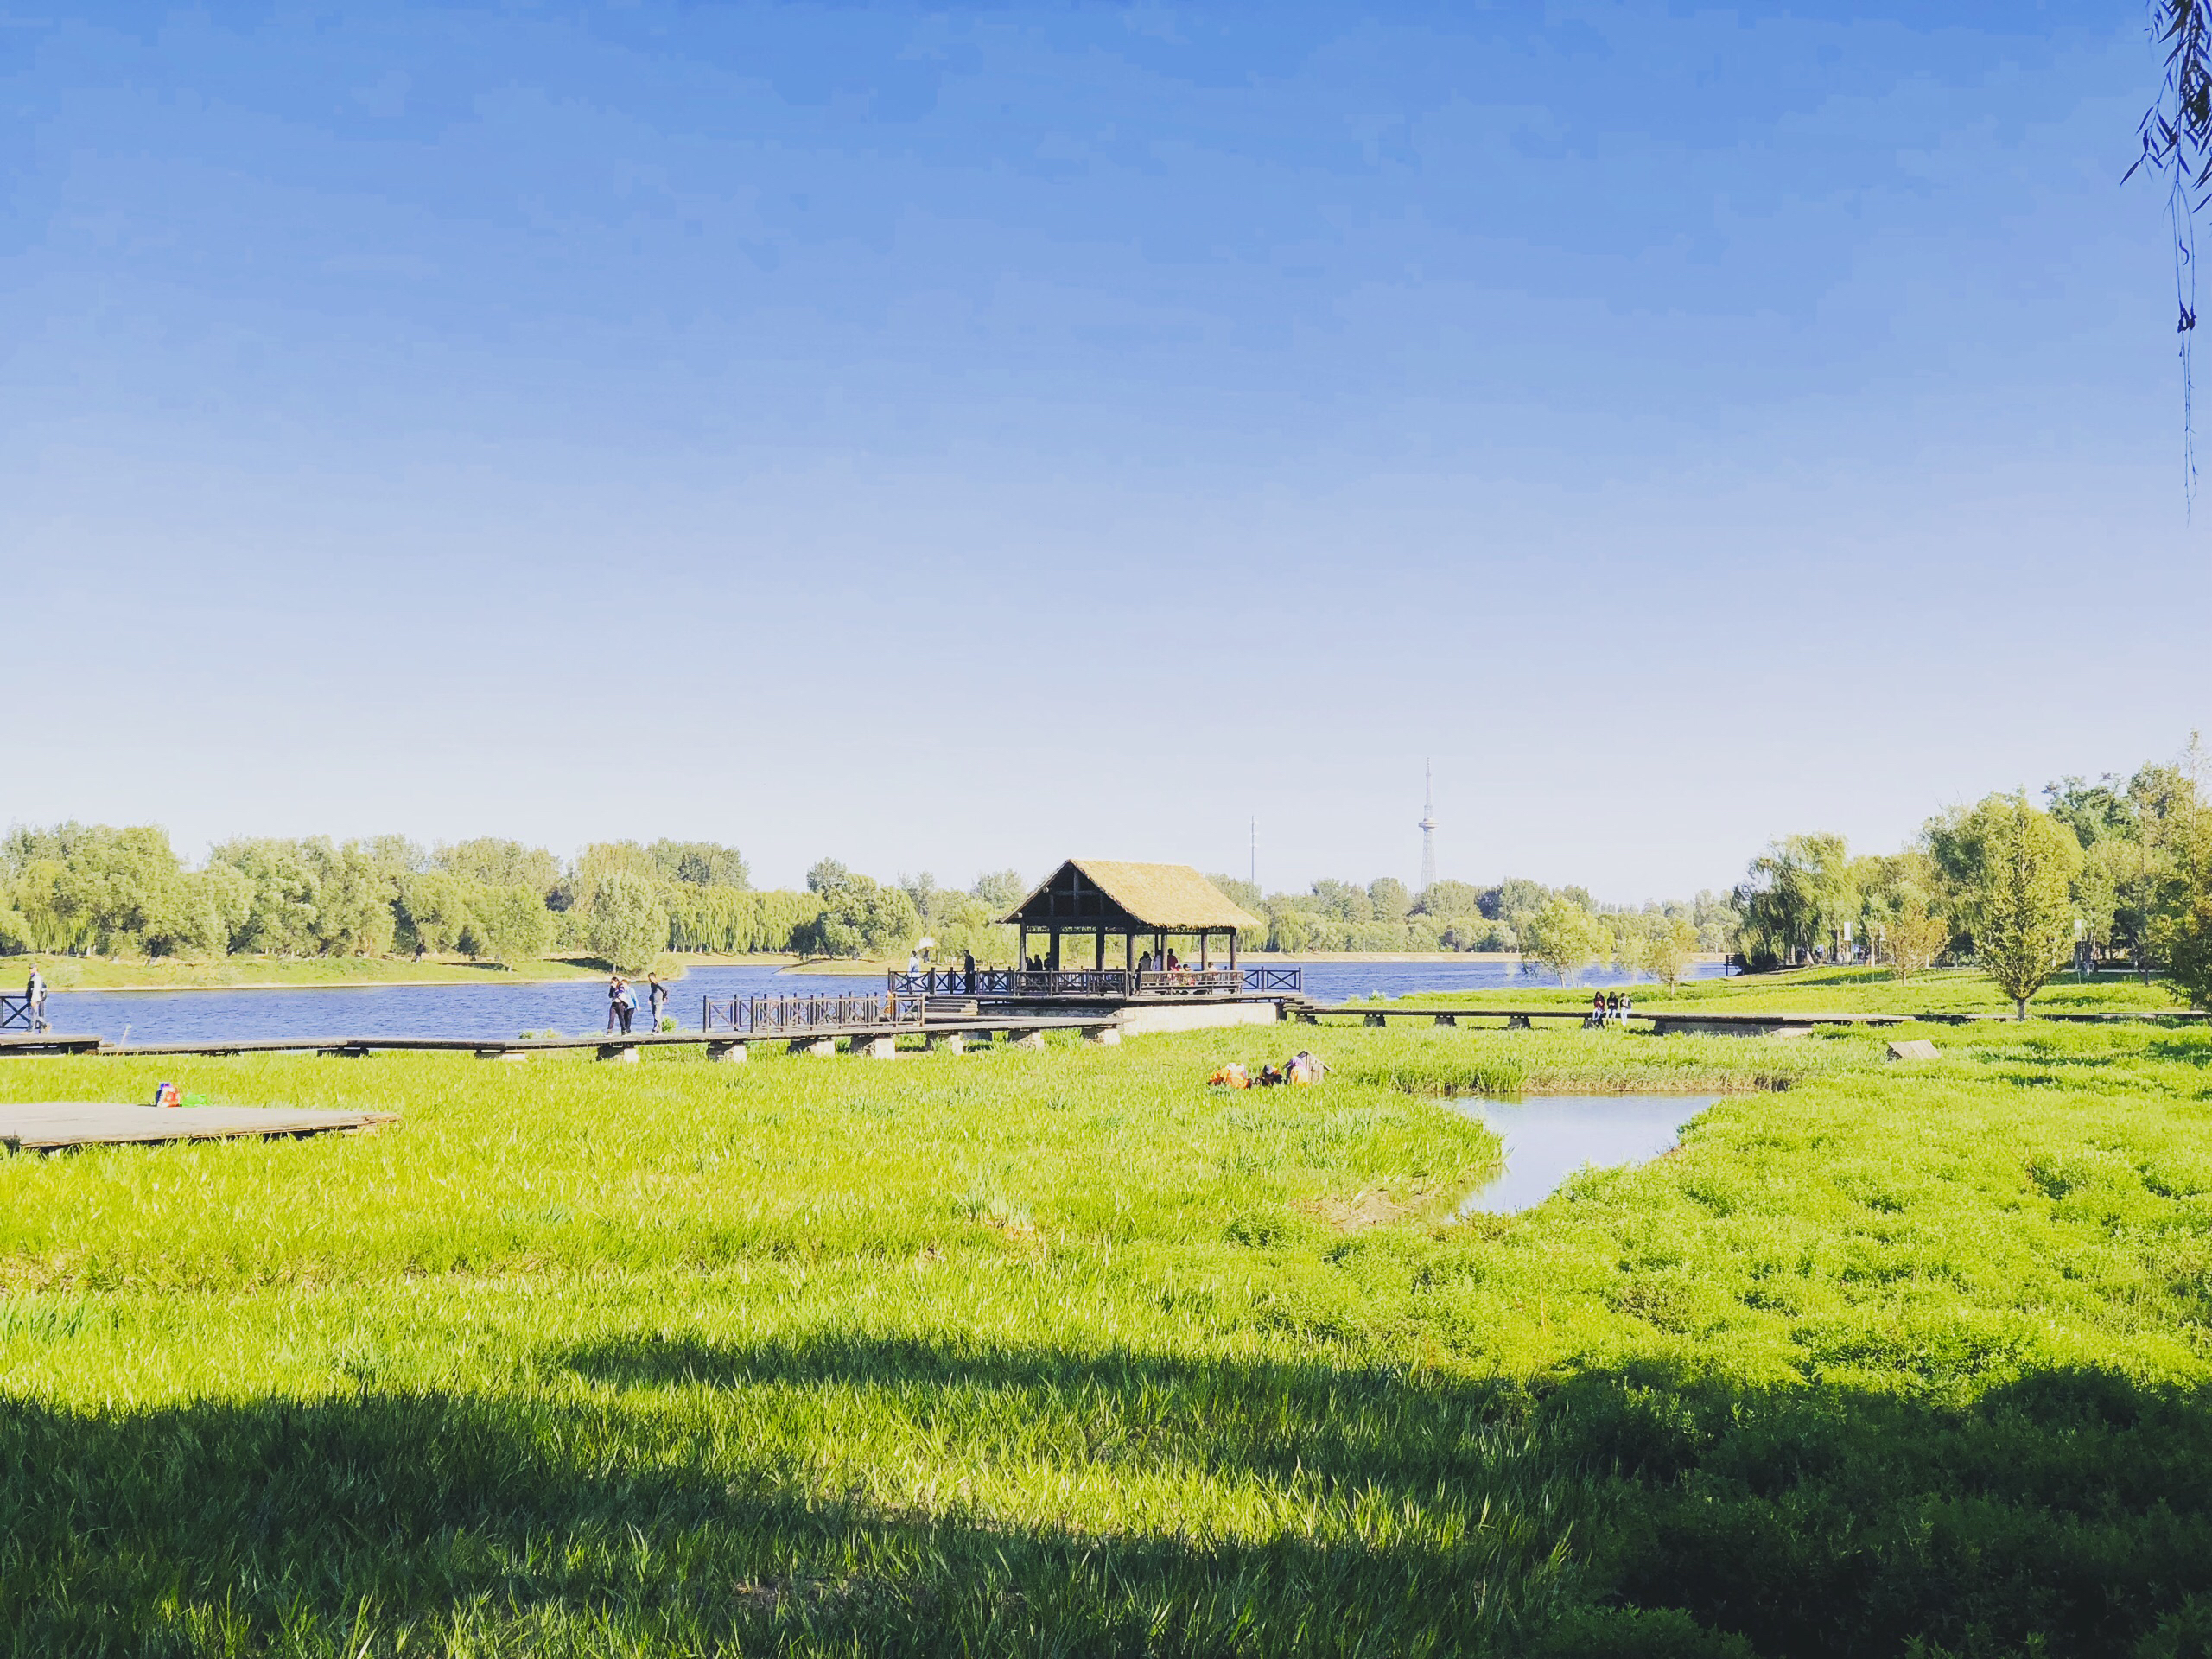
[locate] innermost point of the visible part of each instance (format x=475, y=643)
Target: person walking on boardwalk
x=34, y=999
x=616, y=991
x=656, y=997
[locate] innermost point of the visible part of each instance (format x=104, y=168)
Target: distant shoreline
x=316, y=974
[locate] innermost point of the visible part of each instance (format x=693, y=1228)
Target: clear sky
x=954, y=439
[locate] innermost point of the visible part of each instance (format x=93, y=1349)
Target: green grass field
x=1061, y=1352
x=1853, y=991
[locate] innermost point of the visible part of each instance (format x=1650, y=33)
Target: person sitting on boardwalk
x=1612, y=1008
x=1597, y=1011
x=1628, y=1005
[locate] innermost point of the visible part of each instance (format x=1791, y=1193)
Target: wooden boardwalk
x=616, y=1045
x=46, y=1042
x=53, y=1125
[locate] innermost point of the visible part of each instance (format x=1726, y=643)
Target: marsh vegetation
x=1062, y=1352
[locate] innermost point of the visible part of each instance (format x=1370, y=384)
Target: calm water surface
x=578, y=1005
x=1547, y=1139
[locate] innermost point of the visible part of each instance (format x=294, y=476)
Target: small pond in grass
x=1549, y=1137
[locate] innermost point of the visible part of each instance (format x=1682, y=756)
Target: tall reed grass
x=1063, y=1352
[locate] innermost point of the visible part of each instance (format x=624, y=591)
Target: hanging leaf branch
x=2177, y=134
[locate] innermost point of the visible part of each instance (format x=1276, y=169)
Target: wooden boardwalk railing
x=1103, y=983
x=811, y=1016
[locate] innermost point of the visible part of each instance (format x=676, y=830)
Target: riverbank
x=1857, y=990
x=333, y=973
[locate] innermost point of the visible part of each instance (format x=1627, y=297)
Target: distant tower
x=1427, y=830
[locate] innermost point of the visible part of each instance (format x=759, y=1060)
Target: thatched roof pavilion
x=1103, y=896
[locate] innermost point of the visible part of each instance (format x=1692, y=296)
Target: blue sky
x=952, y=439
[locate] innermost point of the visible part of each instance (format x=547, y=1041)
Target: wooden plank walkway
x=612, y=1043
x=52, y=1125
x=46, y=1042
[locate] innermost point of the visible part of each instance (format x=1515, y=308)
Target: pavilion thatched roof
x=1170, y=898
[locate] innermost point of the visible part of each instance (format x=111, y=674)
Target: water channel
x=579, y=1006
x=1548, y=1138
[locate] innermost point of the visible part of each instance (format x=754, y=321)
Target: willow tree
x=2024, y=913
x=2176, y=135
x=1796, y=895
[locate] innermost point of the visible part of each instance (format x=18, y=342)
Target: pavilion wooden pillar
x=1052, y=963
x=1098, y=954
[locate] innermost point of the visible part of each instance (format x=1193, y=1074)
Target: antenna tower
x=1428, y=827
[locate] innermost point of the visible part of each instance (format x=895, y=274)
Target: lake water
x=1547, y=1139
x=579, y=1006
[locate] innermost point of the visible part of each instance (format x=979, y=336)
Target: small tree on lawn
x=1915, y=937
x=2024, y=925
x=1667, y=950
x=1564, y=938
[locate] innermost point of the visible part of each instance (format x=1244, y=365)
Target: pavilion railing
x=954, y=982
x=1093, y=982
x=15, y=1013
x=776, y=1016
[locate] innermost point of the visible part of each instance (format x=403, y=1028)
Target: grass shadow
x=2068, y=1508
x=1625, y=1510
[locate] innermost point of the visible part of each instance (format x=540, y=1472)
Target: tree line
x=2105, y=871
x=2115, y=869
x=1548, y=925
x=92, y=890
